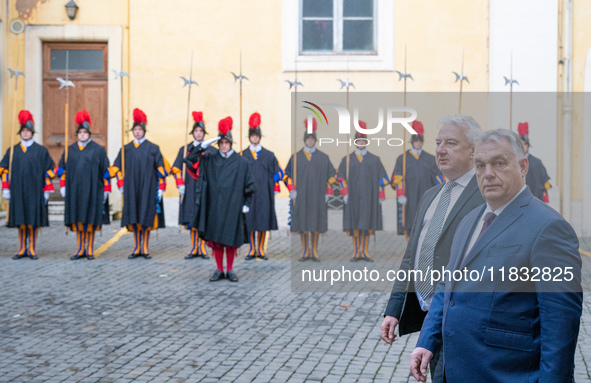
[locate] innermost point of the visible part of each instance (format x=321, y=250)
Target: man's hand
x=160, y=194
x=402, y=200
x=346, y=199
x=205, y=144
x=419, y=360
x=121, y=189
x=105, y=196
x=326, y=198
x=293, y=194
x=245, y=209
x=63, y=191
x=6, y=194
x=46, y=196
x=181, y=189
x=388, y=327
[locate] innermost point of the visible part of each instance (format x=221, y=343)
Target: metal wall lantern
x=71, y=9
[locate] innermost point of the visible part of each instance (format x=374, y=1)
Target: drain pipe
x=567, y=114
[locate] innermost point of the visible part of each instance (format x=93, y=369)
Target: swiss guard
x=363, y=193
x=310, y=194
x=421, y=175
x=537, y=177
x=187, y=187
x=27, y=187
x=85, y=186
x=267, y=173
x=225, y=197
x=143, y=186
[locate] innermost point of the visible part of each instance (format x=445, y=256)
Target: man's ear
x=524, y=165
x=472, y=148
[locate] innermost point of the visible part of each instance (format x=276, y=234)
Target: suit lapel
x=469, y=190
x=499, y=225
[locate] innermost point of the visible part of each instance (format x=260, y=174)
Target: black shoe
x=147, y=256
x=90, y=257
x=315, y=259
x=216, y=276
x=19, y=256
x=33, y=257
x=368, y=259
x=204, y=256
x=354, y=259
x=133, y=256
x=262, y=257
x=75, y=257
x=232, y=276
x=303, y=259
x=249, y=257
x=191, y=256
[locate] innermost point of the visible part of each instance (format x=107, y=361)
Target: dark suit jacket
x=403, y=303
x=503, y=331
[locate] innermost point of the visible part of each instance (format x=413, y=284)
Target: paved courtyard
x=161, y=320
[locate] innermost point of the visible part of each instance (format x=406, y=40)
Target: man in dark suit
x=440, y=211
x=520, y=329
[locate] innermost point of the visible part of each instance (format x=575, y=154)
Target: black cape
x=27, y=179
x=226, y=186
x=141, y=183
x=536, y=177
x=85, y=185
x=310, y=212
x=188, y=201
x=262, y=209
x=362, y=210
x=420, y=176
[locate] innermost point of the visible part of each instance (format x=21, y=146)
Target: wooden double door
x=88, y=71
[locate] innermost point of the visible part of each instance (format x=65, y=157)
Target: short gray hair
x=467, y=123
x=497, y=135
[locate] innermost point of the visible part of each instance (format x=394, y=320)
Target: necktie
x=423, y=285
x=488, y=218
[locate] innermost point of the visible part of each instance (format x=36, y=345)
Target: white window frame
x=381, y=59
x=338, y=29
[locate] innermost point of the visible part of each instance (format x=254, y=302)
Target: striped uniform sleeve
x=115, y=172
x=5, y=178
x=278, y=176
x=547, y=186
x=48, y=185
x=381, y=187
x=163, y=172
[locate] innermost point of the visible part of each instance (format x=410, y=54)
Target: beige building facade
x=544, y=43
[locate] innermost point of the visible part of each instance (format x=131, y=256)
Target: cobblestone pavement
x=161, y=320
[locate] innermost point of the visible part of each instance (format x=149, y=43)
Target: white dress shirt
x=480, y=223
x=456, y=191
x=139, y=141
x=27, y=143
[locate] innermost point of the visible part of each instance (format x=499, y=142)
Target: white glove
x=160, y=194
x=63, y=191
x=46, y=196
x=402, y=200
x=105, y=196
x=121, y=189
x=6, y=194
x=326, y=198
x=181, y=189
x=346, y=199
x=293, y=194
x=245, y=209
x=206, y=143
x=381, y=200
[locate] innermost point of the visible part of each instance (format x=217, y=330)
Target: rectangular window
x=78, y=59
x=338, y=27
